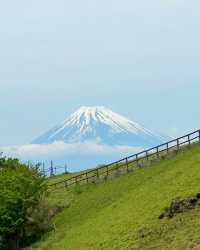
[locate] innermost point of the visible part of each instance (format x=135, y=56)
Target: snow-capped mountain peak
x=102, y=124
x=84, y=117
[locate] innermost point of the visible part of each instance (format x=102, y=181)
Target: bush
x=24, y=214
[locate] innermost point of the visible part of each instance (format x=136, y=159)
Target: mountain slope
x=122, y=214
x=102, y=125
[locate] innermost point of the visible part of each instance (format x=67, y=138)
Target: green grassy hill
x=122, y=214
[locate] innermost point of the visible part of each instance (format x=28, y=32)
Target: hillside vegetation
x=122, y=214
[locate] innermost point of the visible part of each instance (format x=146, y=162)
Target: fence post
x=86, y=176
x=97, y=173
x=189, y=142
x=137, y=159
x=157, y=152
x=127, y=164
x=178, y=144
x=147, y=156
x=167, y=147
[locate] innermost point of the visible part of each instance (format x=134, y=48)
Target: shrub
x=24, y=215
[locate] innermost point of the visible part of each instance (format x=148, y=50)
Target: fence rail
x=132, y=162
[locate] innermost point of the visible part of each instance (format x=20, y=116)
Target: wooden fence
x=132, y=162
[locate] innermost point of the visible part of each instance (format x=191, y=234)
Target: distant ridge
x=102, y=125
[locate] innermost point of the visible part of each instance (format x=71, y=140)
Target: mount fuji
x=101, y=125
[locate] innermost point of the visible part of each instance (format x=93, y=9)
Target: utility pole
x=55, y=170
x=51, y=169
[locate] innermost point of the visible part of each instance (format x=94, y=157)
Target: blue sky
x=139, y=58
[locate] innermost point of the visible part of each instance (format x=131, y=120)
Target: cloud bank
x=60, y=147
x=80, y=155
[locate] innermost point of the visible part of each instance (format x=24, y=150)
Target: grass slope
x=122, y=214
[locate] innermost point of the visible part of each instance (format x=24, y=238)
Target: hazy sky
x=139, y=58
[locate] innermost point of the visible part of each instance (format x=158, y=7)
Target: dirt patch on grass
x=178, y=206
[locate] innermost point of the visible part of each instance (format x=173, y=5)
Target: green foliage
x=22, y=192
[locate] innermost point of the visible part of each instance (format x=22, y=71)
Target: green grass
x=122, y=214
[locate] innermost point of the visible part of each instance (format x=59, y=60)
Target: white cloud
x=61, y=148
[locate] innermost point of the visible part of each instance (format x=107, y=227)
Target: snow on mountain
x=102, y=125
